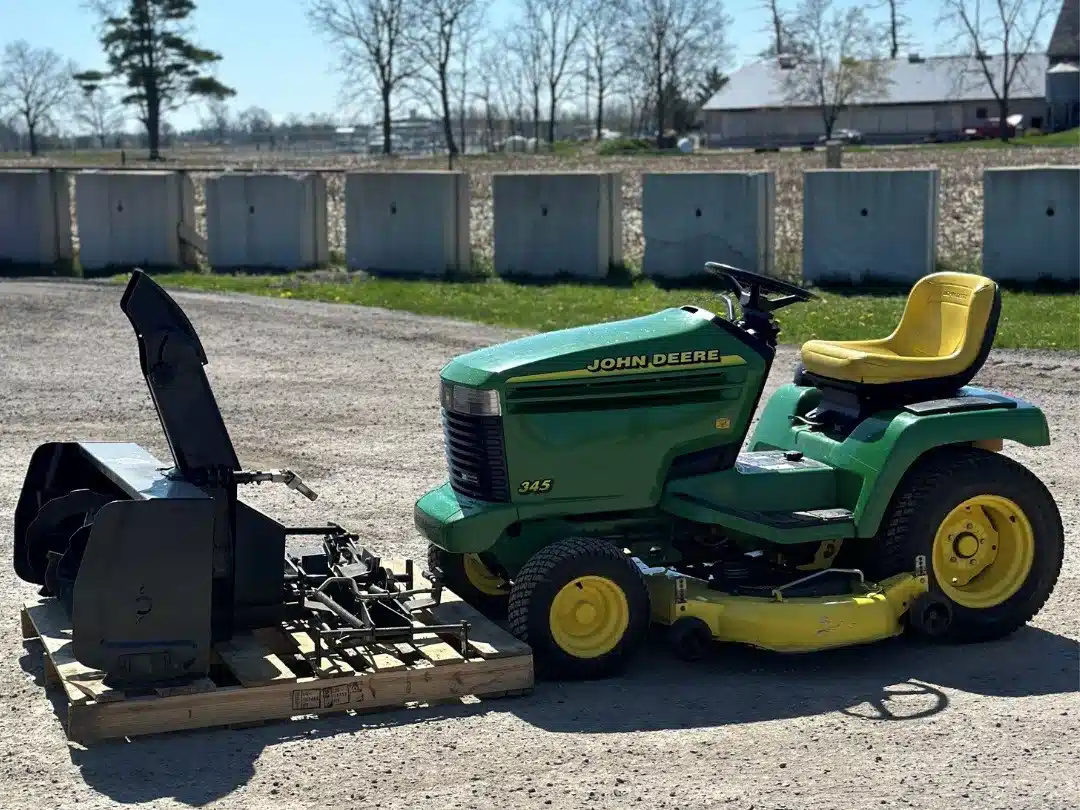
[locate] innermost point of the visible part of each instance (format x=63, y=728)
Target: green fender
x=872, y=460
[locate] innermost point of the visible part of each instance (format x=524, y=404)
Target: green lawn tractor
x=600, y=481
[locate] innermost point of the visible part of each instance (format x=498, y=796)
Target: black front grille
x=475, y=456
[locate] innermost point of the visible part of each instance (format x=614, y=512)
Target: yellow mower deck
x=785, y=624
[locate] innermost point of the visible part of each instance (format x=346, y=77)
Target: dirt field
x=897, y=725
x=959, y=228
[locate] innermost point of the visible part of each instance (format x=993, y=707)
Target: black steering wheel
x=752, y=286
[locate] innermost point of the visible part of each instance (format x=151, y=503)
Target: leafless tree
x=838, y=62
x=256, y=121
x=675, y=41
x=999, y=37
x=218, y=118
x=526, y=61
x=897, y=25
x=438, y=39
x=777, y=27
x=373, y=44
x=35, y=85
x=486, y=83
x=604, y=55
x=99, y=111
x=471, y=46
x=559, y=26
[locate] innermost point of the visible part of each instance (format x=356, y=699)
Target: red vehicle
x=991, y=128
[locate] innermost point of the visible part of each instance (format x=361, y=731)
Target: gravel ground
x=960, y=221
x=984, y=728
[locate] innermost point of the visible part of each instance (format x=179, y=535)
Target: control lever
x=286, y=477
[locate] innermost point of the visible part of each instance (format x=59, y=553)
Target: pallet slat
x=274, y=682
x=252, y=663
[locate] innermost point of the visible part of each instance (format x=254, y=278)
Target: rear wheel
x=472, y=580
x=991, y=534
x=583, y=607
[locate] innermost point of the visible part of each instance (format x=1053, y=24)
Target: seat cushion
x=864, y=362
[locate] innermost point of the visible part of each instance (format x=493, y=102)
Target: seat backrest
x=949, y=315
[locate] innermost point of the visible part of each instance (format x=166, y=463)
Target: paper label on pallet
x=327, y=697
x=307, y=698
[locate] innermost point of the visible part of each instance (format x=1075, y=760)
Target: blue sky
x=274, y=60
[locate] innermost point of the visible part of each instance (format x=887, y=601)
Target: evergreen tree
x=148, y=49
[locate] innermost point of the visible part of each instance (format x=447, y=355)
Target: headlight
x=470, y=401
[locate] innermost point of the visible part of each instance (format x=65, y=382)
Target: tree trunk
x=1003, y=113
x=31, y=131
x=386, y=143
x=448, y=120
x=599, y=113
x=599, y=100
x=551, y=117
x=659, y=98
x=893, y=30
x=153, y=127
x=536, y=113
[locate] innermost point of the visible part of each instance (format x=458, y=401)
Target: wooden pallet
x=271, y=675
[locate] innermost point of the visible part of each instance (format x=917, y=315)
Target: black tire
x=942, y=480
x=548, y=572
x=689, y=638
x=452, y=569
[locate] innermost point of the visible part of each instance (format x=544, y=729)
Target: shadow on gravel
x=897, y=680
x=894, y=681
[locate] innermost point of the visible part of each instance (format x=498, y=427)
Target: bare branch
x=674, y=41
x=605, y=54
x=35, y=84
x=372, y=38
x=998, y=39
x=442, y=30
x=838, y=63
x=218, y=119
x=99, y=111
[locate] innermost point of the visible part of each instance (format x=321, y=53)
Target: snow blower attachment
x=156, y=564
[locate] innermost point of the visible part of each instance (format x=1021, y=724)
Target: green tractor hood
x=674, y=337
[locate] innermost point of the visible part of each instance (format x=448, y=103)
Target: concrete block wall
x=549, y=225
x=1031, y=223
x=411, y=223
x=859, y=226
x=690, y=218
x=35, y=218
x=267, y=221
x=864, y=225
x=134, y=219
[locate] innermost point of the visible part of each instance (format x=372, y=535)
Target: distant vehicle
x=844, y=136
x=991, y=128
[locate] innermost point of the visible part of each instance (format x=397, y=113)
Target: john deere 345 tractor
x=599, y=483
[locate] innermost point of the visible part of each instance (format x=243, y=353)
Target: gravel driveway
x=347, y=397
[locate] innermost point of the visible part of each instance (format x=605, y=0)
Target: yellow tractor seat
x=943, y=338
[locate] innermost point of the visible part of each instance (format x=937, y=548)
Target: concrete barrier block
x=134, y=219
x=35, y=218
x=557, y=224
x=690, y=218
x=409, y=223
x=266, y=221
x=1031, y=223
x=869, y=225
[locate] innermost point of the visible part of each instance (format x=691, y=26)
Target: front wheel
x=991, y=534
x=583, y=606
x=468, y=577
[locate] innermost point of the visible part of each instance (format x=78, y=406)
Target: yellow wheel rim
x=589, y=616
x=481, y=577
x=983, y=551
